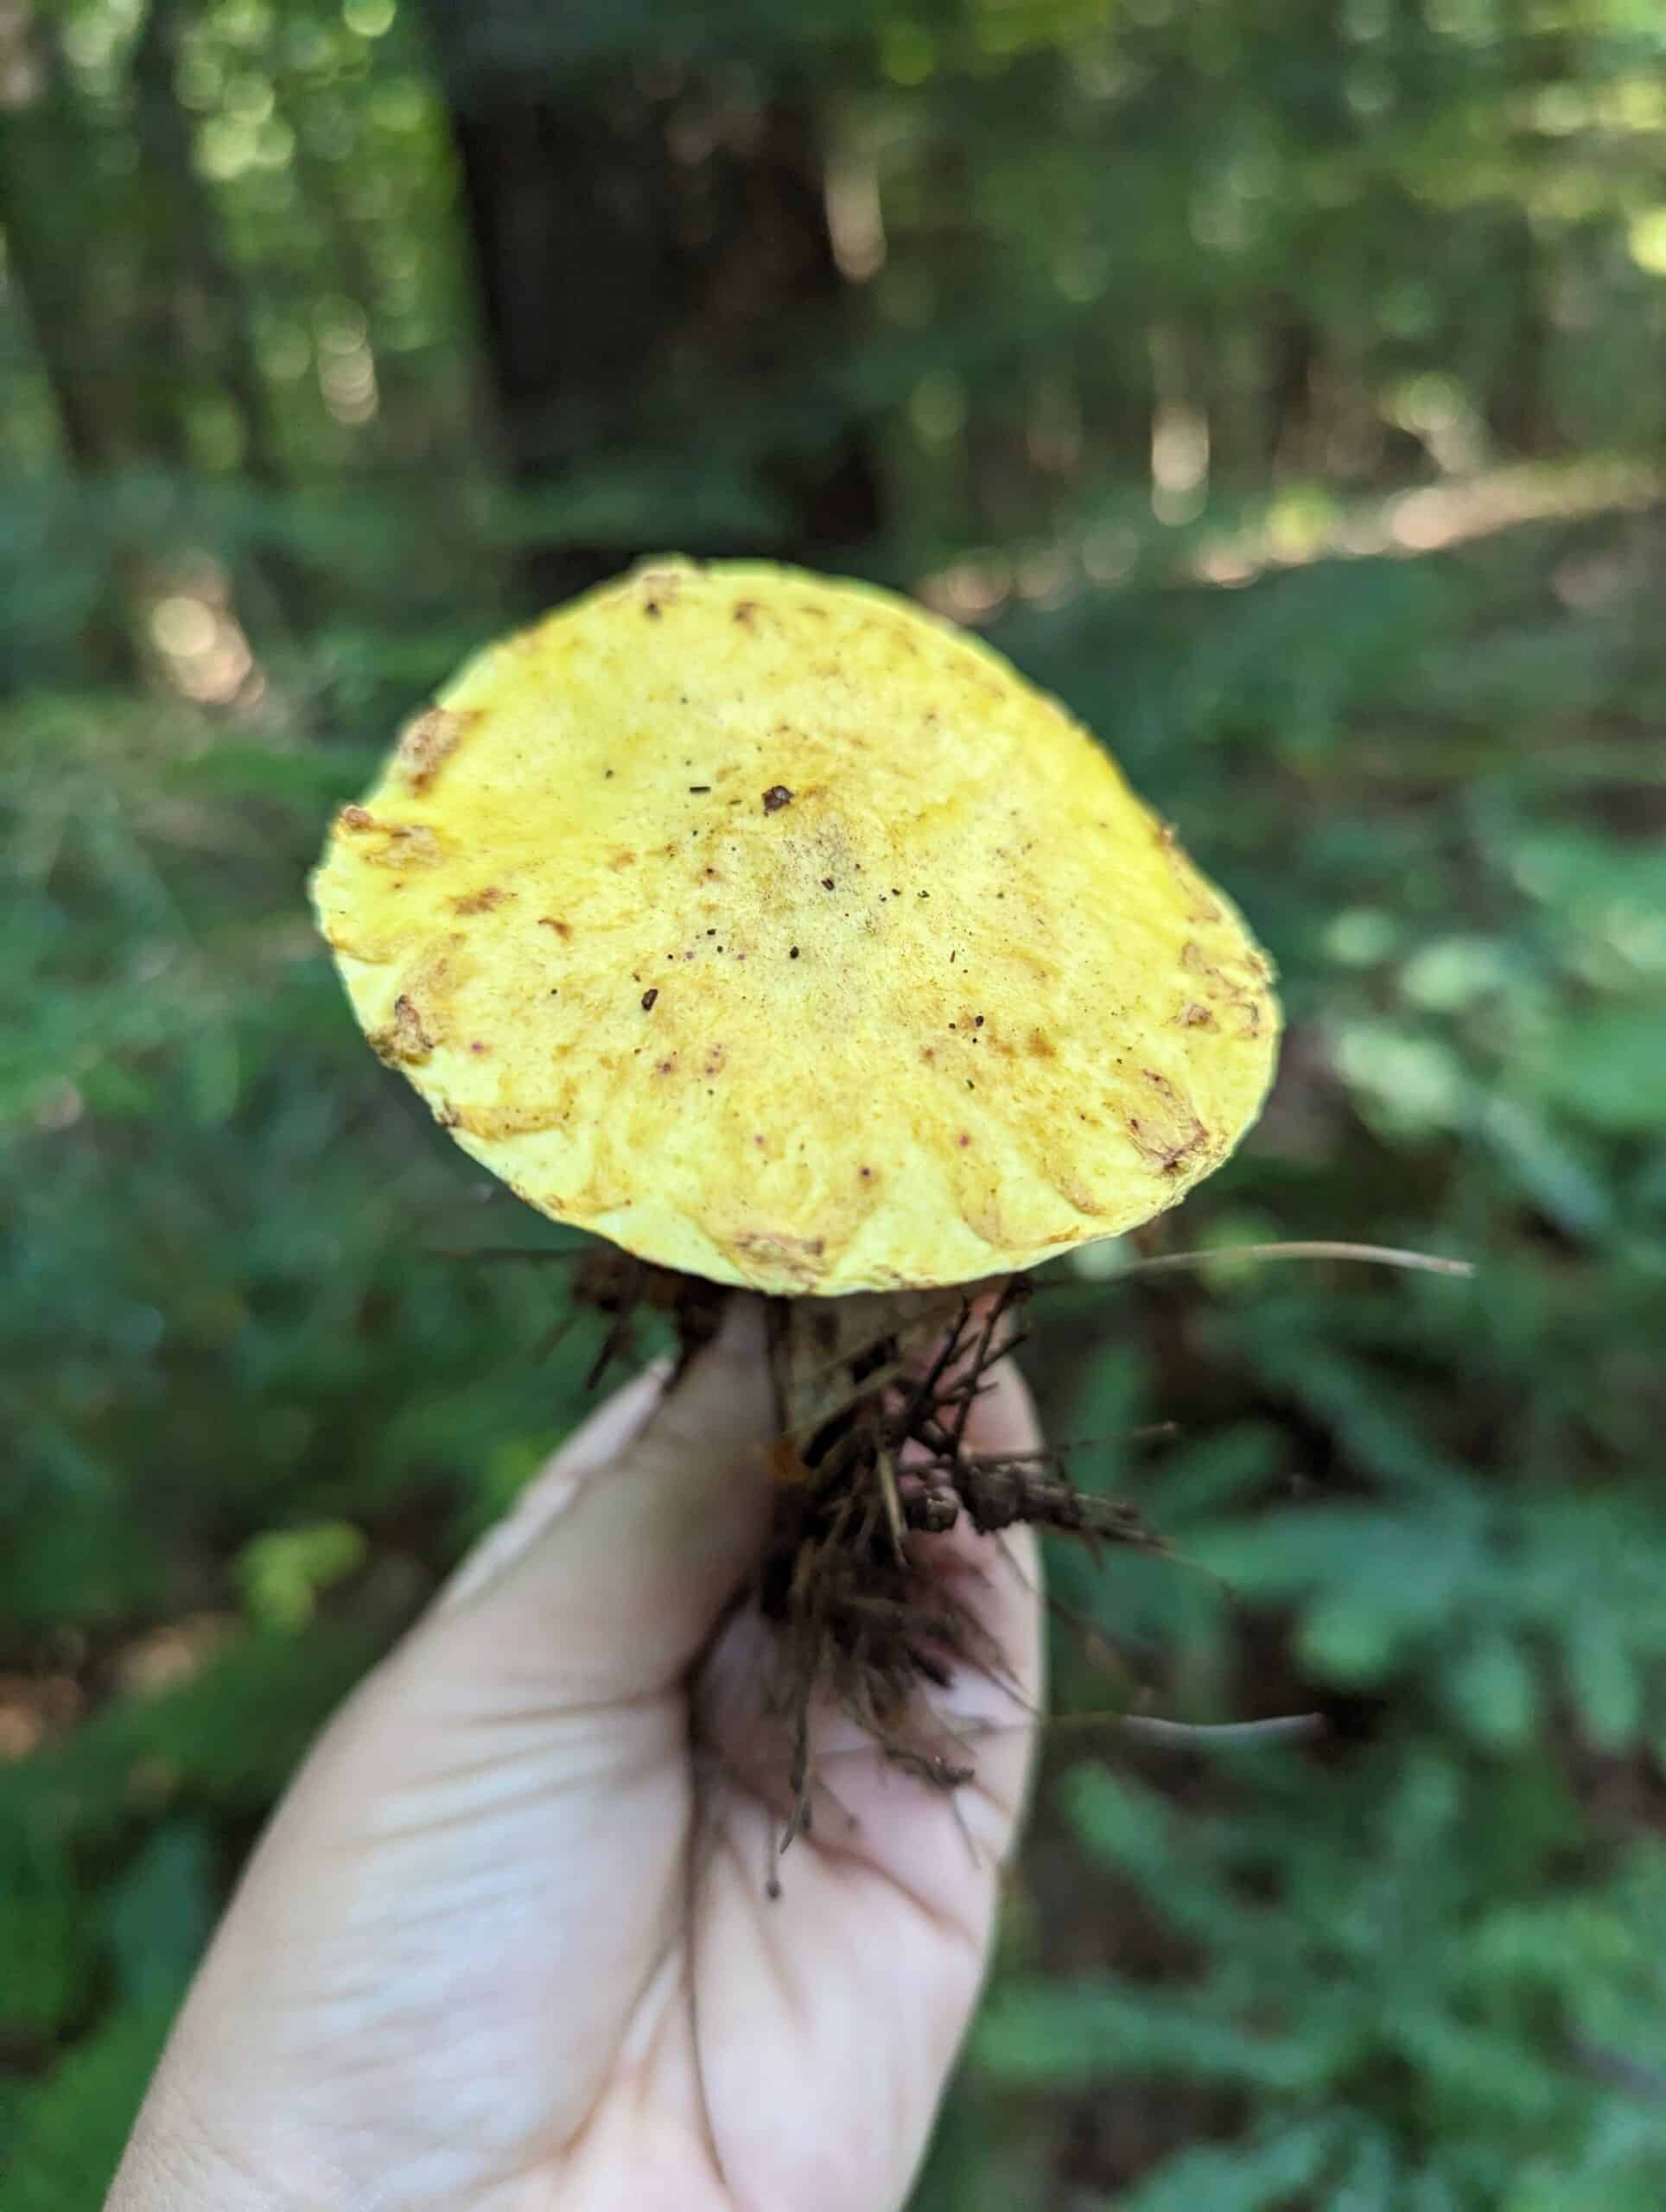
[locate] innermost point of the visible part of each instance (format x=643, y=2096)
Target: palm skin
x=509, y=1944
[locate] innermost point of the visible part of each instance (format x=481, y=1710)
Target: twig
x=894, y=1523
x=1185, y=1735
x=982, y=1359
x=1381, y=1256
x=925, y=1388
x=1166, y=1735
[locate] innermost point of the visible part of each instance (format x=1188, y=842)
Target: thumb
x=611, y=1571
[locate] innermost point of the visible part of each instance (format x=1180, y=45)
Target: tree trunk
x=38, y=128
x=1292, y=357
x=648, y=263
x=196, y=291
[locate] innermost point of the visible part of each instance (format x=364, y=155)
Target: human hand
x=507, y=1941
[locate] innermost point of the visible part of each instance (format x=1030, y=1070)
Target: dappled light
x=1282, y=389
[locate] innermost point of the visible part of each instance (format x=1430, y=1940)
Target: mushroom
x=787, y=938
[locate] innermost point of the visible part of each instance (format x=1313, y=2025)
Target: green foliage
x=283, y=1571
x=1391, y=1966
x=68, y=2136
x=1377, y=1977
x=1285, y=395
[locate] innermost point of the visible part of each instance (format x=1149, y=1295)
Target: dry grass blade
x=1324, y=1247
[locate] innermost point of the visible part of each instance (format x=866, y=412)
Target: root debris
x=876, y=1395
x=871, y=1467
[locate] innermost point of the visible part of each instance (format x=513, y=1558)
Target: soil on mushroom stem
x=874, y=1394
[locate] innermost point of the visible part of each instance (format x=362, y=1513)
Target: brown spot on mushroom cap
x=1242, y=986
x=391, y=845
x=405, y=1042
x=1168, y=1133
x=427, y=742
x=1080, y=1195
x=480, y=902
x=773, y=1254
x=1167, y=1153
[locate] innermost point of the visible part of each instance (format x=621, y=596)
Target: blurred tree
x=39, y=124
x=48, y=239
x=646, y=239
x=197, y=315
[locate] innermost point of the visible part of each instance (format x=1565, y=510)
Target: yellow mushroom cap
x=786, y=936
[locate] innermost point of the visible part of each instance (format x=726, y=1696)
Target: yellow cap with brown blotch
x=785, y=936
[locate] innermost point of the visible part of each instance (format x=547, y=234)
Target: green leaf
x=1607, y=1067
x=1493, y=1692
x=284, y=1573
x=47, y=1943
x=159, y=1914
x=69, y=2131
x=1241, y=2178
x=1368, y=2181
x=1603, y=1678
